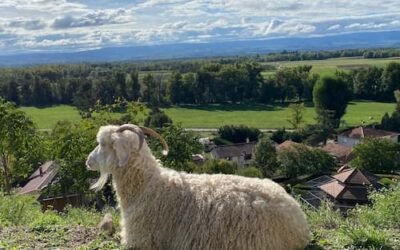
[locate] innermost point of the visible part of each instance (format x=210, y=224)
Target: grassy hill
x=214, y=116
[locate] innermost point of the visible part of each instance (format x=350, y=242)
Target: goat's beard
x=104, y=173
x=100, y=182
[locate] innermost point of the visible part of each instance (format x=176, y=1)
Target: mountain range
x=196, y=50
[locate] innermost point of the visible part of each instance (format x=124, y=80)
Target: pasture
x=330, y=66
x=214, y=116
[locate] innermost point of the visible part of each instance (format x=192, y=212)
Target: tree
x=330, y=96
x=296, y=113
x=265, y=156
x=134, y=86
x=390, y=80
x=377, y=155
x=150, y=94
x=238, y=134
x=182, y=145
x=157, y=119
x=175, y=88
x=19, y=145
x=300, y=159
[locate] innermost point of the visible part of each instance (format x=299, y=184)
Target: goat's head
x=117, y=146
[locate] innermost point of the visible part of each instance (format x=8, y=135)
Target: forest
x=202, y=81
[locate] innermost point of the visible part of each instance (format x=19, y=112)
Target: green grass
x=46, y=118
x=330, y=66
x=215, y=116
x=268, y=116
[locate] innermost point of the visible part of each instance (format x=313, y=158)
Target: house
x=354, y=136
x=240, y=153
x=345, y=189
x=342, y=154
x=41, y=178
x=198, y=159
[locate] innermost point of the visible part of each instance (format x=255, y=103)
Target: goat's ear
x=121, y=147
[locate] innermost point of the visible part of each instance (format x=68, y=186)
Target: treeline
x=82, y=85
x=321, y=55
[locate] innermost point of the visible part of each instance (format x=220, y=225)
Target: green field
x=329, y=66
x=214, y=116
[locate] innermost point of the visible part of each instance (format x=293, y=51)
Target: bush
x=366, y=237
x=238, y=134
x=217, y=167
x=250, y=172
x=282, y=135
x=18, y=209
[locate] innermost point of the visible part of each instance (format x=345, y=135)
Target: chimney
x=40, y=171
x=247, y=140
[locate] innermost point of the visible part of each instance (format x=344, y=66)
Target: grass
x=374, y=226
x=46, y=118
x=215, y=116
x=330, y=66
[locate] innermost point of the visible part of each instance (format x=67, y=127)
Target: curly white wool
x=165, y=209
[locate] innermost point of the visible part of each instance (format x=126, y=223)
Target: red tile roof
x=40, y=178
x=341, y=152
x=340, y=191
x=361, y=132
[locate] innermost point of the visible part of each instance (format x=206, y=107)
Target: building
x=41, y=178
x=352, y=137
x=345, y=189
x=240, y=153
x=342, y=154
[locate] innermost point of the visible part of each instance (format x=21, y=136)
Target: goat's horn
x=150, y=132
x=134, y=129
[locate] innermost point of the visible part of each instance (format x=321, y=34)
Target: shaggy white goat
x=165, y=209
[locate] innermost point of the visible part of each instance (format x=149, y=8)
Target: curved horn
x=134, y=129
x=150, y=132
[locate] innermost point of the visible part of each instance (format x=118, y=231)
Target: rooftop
x=225, y=151
x=40, y=178
x=361, y=132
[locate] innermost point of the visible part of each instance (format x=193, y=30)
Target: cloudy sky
x=70, y=25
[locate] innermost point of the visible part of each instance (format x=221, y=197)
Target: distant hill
x=195, y=50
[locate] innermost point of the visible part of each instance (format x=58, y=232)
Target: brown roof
x=341, y=152
x=340, y=191
x=286, y=144
x=357, y=176
x=361, y=132
x=232, y=150
x=40, y=178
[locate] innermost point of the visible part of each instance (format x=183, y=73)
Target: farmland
x=214, y=116
x=330, y=66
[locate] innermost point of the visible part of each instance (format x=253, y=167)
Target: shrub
x=17, y=209
x=366, y=237
x=250, y=172
x=238, y=134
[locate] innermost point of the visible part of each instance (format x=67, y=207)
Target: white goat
x=165, y=209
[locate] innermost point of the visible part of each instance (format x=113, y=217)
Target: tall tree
x=330, y=96
x=265, y=156
x=175, y=88
x=19, y=145
x=296, y=113
x=390, y=80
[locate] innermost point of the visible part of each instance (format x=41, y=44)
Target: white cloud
x=78, y=24
x=95, y=18
x=335, y=27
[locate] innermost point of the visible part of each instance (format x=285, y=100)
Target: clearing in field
x=215, y=116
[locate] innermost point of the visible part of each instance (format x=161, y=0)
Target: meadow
x=330, y=66
x=215, y=116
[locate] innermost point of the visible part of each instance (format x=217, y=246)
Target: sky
x=75, y=25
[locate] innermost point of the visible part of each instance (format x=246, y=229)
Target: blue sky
x=72, y=25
